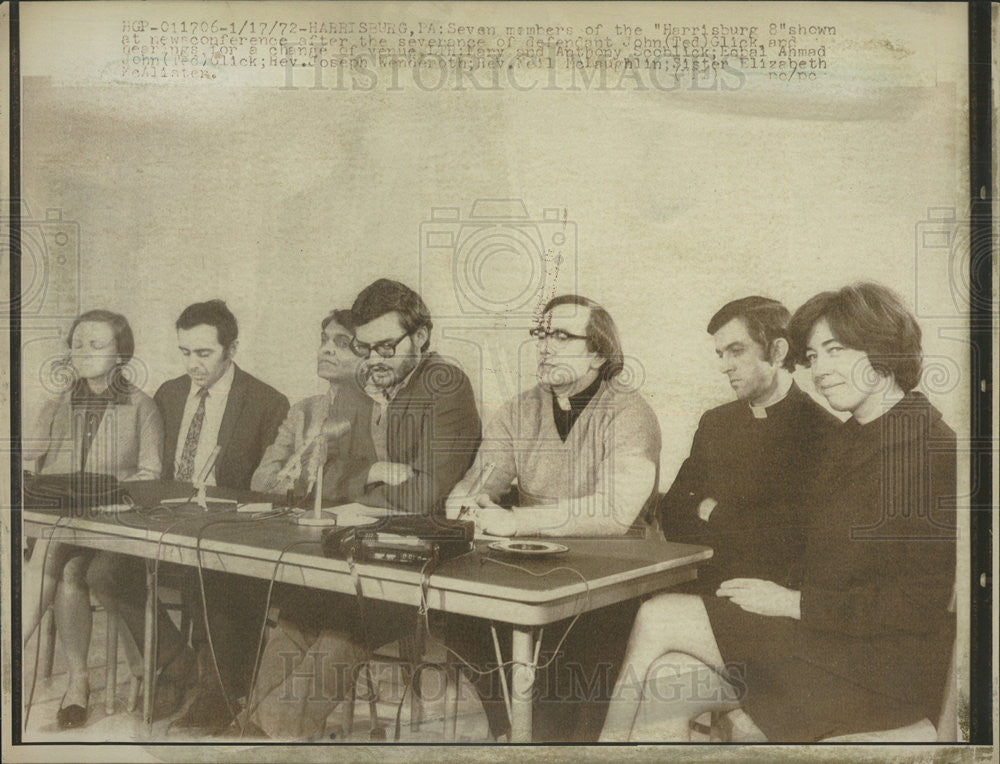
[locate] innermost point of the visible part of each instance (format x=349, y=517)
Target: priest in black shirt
x=738, y=490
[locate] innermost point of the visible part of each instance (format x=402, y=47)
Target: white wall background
x=286, y=202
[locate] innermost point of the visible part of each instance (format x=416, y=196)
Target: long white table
x=609, y=571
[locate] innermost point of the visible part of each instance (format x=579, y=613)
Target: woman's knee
x=661, y=617
x=74, y=572
x=101, y=573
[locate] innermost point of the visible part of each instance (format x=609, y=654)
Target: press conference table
x=614, y=570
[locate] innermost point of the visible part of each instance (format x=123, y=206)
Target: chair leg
x=416, y=700
x=47, y=642
x=452, y=687
x=111, y=664
x=134, y=688
x=349, y=710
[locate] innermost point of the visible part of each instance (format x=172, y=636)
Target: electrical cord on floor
x=576, y=617
x=422, y=618
x=201, y=586
x=156, y=599
x=251, y=708
x=485, y=672
x=501, y=666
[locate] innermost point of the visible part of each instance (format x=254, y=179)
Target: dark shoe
x=209, y=712
x=249, y=731
x=173, y=681
x=182, y=668
x=71, y=716
x=168, y=699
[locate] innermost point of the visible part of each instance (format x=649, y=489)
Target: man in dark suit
x=738, y=490
x=247, y=412
x=214, y=406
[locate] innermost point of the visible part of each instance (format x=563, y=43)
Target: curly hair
x=867, y=317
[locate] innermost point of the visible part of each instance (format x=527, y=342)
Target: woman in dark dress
x=862, y=642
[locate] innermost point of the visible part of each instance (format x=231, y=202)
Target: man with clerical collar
x=583, y=451
x=738, y=490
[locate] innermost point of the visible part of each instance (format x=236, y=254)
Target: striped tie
x=185, y=466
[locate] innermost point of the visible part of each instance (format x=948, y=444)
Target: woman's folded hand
x=762, y=597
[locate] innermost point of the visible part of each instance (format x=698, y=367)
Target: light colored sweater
x=128, y=443
x=302, y=424
x=596, y=483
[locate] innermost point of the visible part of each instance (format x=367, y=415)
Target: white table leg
x=522, y=683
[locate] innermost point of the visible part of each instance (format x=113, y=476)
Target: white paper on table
x=109, y=509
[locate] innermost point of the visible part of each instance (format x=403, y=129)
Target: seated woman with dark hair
x=103, y=424
x=863, y=641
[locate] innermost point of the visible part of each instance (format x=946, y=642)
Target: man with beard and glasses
x=405, y=450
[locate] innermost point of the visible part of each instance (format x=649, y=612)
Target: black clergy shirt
x=565, y=418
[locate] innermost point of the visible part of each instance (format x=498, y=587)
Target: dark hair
x=213, y=313
x=124, y=344
x=602, y=334
x=766, y=320
x=340, y=317
x=870, y=318
x=385, y=296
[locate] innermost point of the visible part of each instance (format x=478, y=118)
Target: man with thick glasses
x=424, y=426
x=582, y=451
x=419, y=439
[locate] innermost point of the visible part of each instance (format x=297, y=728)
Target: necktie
x=185, y=466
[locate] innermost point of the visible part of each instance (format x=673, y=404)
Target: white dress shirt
x=215, y=407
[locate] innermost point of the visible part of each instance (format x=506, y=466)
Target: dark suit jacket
x=755, y=469
x=254, y=411
x=434, y=427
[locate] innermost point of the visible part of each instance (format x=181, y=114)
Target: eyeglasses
x=561, y=337
x=385, y=348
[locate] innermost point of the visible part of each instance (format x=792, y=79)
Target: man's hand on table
x=465, y=506
x=496, y=521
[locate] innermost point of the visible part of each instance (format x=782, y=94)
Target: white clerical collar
x=784, y=385
x=221, y=386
